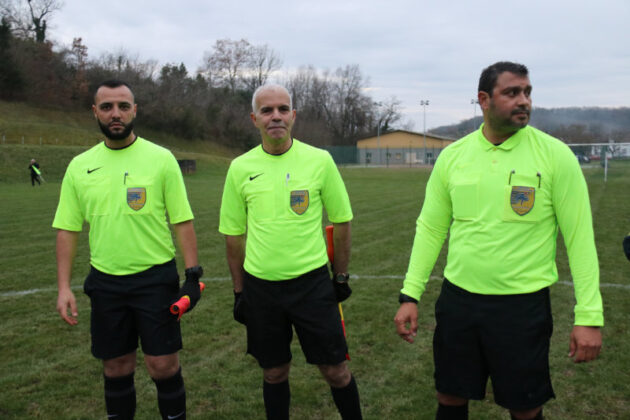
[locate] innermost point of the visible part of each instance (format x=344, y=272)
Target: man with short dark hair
x=124, y=187
x=503, y=192
x=271, y=214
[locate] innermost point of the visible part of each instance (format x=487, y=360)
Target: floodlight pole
x=474, y=103
x=424, y=104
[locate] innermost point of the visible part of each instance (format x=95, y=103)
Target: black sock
x=452, y=412
x=120, y=397
x=172, y=396
x=347, y=400
x=277, y=398
x=539, y=416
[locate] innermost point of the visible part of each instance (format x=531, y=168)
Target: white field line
x=18, y=293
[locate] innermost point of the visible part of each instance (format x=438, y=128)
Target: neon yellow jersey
x=504, y=205
x=278, y=201
x=124, y=195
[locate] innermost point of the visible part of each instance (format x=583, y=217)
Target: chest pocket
x=522, y=199
x=137, y=194
x=465, y=196
x=300, y=196
x=97, y=195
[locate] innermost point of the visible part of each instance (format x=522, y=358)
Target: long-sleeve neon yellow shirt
x=504, y=205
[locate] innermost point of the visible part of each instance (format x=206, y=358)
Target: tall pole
x=378, y=141
x=474, y=103
x=424, y=104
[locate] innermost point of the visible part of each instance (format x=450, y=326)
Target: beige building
x=400, y=147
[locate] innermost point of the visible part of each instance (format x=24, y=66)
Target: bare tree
x=227, y=61
x=262, y=62
x=29, y=18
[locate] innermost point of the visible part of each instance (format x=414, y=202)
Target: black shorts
x=131, y=306
x=308, y=304
x=505, y=337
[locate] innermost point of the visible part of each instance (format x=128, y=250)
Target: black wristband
x=403, y=298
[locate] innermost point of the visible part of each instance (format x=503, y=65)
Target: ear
x=252, y=116
x=135, y=110
x=294, y=114
x=94, y=111
x=484, y=100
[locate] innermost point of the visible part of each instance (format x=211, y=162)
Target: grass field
x=47, y=371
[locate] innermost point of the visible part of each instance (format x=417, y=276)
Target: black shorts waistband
x=148, y=272
x=456, y=289
x=304, y=277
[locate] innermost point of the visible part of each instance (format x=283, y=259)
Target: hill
x=574, y=125
x=54, y=137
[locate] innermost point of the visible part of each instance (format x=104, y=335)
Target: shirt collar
x=508, y=144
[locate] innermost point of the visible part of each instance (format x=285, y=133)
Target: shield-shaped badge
x=299, y=201
x=136, y=197
x=522, y=199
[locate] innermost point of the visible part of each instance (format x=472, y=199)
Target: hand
x=585, y=343
x=66, y=300
x=191, y=288
x=407, y=314
x=342, y=290
x=239, y=306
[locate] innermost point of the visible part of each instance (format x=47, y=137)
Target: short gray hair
x=263, y=88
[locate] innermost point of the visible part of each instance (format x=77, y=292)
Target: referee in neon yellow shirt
x=271, y=214
x=504, y=192
x=123, y=188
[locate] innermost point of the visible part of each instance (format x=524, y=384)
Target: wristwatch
x=342, y=277
x=196, y=271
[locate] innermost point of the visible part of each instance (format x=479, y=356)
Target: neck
x=496, y=137
x=277, y=148
x=119, y=144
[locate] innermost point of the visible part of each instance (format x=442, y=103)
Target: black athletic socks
x=277, y=398
x=172, y=397
x=120, y=397
x=347, y=400
x=452, y=412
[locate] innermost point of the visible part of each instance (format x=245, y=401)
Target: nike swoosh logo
x=177, y=416
x=92, y=170
x=251, y=178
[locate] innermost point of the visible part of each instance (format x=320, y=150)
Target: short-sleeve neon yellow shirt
x=124, y=195
x=278, y=201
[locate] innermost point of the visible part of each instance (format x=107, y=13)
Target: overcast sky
x=578, y=52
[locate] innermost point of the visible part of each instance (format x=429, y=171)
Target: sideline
x=18, y=293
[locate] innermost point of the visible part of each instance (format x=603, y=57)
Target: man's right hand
x=65, y=301
x=407, y=314
x=239, y=316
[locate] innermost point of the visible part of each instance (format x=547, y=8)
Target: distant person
x=124, y=187
x=503, y=192
x=35, y=172
x=271, y=216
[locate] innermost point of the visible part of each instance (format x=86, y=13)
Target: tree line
x=213, y=103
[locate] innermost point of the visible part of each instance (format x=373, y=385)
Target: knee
x=276, y=374
x=533, y=414
x=162, y=367
x=450, y=400
x=120, y=366
x=337, y=376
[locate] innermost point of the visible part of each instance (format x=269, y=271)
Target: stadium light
x=424, y=104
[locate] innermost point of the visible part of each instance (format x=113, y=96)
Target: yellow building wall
x=402, y=140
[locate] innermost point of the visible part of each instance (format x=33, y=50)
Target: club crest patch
x=299, y=201
x=136, y=197
x=522, y=199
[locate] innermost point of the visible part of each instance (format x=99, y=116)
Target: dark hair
x=490, y=74
x=112, y=83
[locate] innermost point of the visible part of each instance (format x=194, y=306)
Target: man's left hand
x=585, y=343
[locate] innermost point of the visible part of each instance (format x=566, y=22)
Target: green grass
x=47, y=371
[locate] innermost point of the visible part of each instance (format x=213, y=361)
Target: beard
x=509, y=123
x=127, y=129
